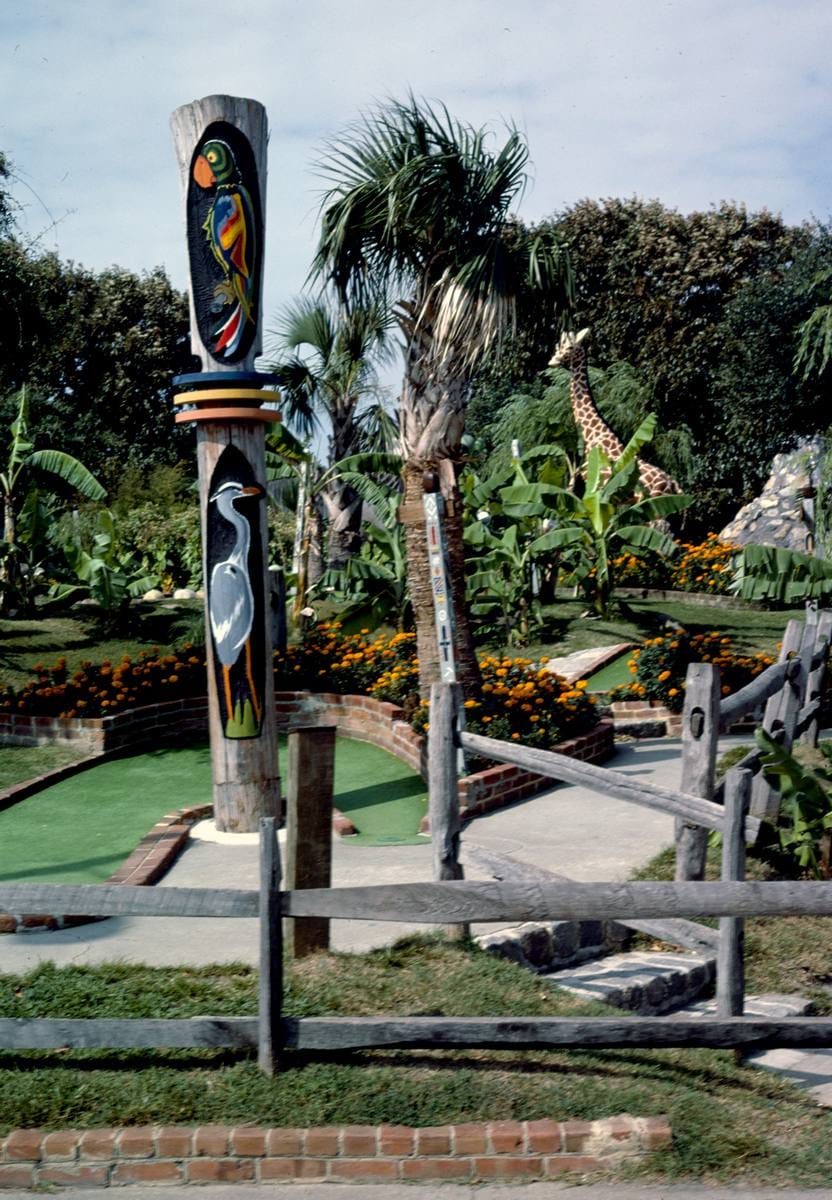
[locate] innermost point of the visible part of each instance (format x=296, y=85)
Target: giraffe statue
x=571, y=353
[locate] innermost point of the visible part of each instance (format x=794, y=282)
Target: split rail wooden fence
x=664, y=909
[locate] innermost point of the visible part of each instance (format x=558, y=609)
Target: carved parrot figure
x=230, y=232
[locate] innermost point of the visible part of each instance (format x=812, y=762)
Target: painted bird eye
x=211, y=156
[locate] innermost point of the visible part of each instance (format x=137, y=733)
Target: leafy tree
x=814, y=348
x=416, y=218
x=676, y=297
x=99, y=351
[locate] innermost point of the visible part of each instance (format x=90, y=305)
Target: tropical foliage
x=26, y=480
x=805, y=819
x=594, y=528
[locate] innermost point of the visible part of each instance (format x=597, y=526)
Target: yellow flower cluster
x=705, y=567
x=103, y=689
x=660, y=665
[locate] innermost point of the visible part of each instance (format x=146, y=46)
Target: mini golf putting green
x=81, y=829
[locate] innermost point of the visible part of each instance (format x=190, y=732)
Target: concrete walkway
x=568, y=829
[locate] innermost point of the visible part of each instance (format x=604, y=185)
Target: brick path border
x=471, y=1152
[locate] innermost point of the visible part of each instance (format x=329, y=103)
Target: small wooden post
x=816, y=675
x=700, y=731
x=443, y=797
x=730, y=968
x=271, y=950
x=220, y=146
x=780, y=718
x=309, y=795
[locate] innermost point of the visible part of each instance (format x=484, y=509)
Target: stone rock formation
x=778, y=516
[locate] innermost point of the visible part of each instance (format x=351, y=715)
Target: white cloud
x=687, y=102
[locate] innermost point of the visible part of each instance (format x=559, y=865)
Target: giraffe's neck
x=594, y=429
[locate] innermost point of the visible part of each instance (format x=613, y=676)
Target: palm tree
x=329, y=372
x=416, y=217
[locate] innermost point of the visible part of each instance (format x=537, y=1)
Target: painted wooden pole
x=221, y=150
x=700, y=731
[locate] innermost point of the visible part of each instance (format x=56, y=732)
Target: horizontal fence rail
x=455, y=901
x=460, y=901
x=757, y=691
x=125, y=900
x=326, y=1034
x=606, y=781
x=546, y=1033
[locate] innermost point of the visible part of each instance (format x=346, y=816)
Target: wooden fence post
x=730, y=968
x=309, y=795
x=780, y=718
x=270, y=999
x=700, y=731
x=443, y=797
x=816, y=675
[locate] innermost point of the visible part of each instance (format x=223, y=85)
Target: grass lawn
x=19, y=763
x=729, y=1121
x=81, y=829
x=45, y=639
x=565, y=629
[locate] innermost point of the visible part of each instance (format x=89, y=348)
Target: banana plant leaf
x=73, y=472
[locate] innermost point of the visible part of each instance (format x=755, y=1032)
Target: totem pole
x=221, y=149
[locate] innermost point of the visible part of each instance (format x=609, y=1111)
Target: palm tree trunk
x=344, y=507
x=432, y=416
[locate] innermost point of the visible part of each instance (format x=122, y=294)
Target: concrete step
x=645, y=982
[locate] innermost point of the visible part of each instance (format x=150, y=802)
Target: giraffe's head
x=567, y=346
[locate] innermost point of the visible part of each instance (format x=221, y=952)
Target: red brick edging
x=344, y=1153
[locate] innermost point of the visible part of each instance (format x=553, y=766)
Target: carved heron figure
x=230, y=596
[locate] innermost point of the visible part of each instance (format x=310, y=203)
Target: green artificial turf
x=611, y=675
x=82, y=829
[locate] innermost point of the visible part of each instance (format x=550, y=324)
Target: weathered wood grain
x=602, y=779
x=529, y=900
x=730, y=968
x=122, y=900
x=780, y=717
x=310, y=775
x=46, y=1033
x=540, y=1033
x=679, y=932
x=270, y=982
x=443, y=797
x=807, y=723
x=700, y=731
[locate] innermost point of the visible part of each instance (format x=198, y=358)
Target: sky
x=688, y=101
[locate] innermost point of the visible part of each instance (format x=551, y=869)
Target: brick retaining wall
x=475, y=1152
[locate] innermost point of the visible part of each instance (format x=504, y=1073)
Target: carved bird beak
x=203, y=172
